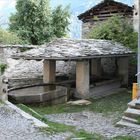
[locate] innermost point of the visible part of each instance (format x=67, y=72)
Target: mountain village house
x=101, y=12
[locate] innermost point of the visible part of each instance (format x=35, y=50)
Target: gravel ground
x=94, y=123
x=13, y=126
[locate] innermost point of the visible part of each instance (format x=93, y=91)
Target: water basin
x=38, y=94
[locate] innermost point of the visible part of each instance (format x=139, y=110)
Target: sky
x=7, y=7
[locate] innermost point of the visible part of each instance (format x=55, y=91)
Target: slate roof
x=71, y=49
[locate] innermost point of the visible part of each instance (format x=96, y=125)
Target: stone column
x=123, y=66
x=82, y=79
x=49, y=68
x=3, y=90
x=96, y=68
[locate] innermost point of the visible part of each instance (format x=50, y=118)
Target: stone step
x=129, y=120
x=128, y=124
x=132, y=113
x=133, y=104
x=138, y=102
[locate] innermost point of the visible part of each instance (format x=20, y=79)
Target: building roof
x=106, y=8
x=70, y=49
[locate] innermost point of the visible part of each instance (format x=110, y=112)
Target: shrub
x=2, y=67
x=7, y=37
x=117, y=29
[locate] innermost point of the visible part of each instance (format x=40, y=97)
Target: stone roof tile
x=61, y=49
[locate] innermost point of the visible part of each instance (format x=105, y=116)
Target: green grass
x=111, y=104
x=56, y=127
x=138, y=119
x=3, y=67
x=86, y=136
x=124, y=138
x=115, y=104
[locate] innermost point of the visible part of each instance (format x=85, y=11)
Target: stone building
x=101, y=12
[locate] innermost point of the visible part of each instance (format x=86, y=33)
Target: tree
x=7, y=37
x=117, y=29
x=35, y=22
x=59, y=21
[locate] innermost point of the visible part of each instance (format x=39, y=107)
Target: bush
x=2, y=67
x=117, y=29
x=8, y=37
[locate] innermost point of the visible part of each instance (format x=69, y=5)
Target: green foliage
x=115, y=104
x=59, y=21
x=8, y=37
x=56, y=127
x=35, y=22
x=2, y=67
x=117, y=29
x=124, y=138
x=138, y=119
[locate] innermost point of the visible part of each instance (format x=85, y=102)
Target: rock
x=79, y=102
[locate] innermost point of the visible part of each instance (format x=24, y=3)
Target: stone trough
x=50, y=94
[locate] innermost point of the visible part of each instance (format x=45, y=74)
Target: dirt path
x=13, y=126
x=94, y=123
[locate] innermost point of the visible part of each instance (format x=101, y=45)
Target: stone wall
x=2, y=58
x=86, y=27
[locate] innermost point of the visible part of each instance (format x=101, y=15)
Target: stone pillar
x=3, y=91
x=123, y=64
x=82, y=79
x=96, y=68
x=49, y=68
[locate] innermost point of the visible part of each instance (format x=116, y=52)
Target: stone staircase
x=131, y=115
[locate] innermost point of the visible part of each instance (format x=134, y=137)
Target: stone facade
x=87, y=26
x=2, y=55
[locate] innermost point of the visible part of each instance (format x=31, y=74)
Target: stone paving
x=13, y=126
x=94, y=123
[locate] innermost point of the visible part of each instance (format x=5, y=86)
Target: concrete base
x=39, y=94
x=131, y=115
x=128, y=124
x=105, y=88
x=102, y=89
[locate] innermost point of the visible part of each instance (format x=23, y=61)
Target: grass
x=56, y=127
x=114, y=104
x=3, y=67
x=124, y=138
x=138, y=119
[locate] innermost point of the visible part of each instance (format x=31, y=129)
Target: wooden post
x=123, y=70
x=82, y=79
x=49, y=68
